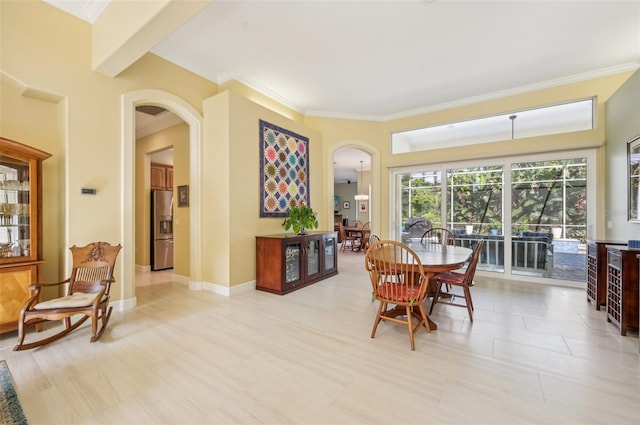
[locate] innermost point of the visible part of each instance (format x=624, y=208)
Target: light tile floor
x=535, y=354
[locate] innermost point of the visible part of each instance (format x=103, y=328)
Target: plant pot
x=303, y=230
x=556, y=232
x=469, y=229
x=494, y=232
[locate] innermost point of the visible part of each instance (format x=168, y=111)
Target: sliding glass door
x=536, y=228
x=549, y=217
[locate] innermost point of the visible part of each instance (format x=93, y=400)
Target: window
x=537, y=227
x=553, y=119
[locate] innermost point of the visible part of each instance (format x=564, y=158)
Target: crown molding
x=603, y=72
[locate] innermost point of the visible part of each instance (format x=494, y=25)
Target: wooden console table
x=287, y=262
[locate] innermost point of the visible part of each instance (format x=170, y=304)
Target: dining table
x=436, y=258
x=361, y=234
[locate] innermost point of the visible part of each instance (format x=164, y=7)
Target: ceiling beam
x=126, y=30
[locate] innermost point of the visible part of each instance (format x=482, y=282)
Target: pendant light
x=513, y=121
x=361, y=196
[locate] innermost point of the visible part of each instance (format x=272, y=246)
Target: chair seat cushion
x=450, y=277
x=76, y=300
x=398, y=292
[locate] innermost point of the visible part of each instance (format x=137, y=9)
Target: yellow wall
x=176, y=137
x=35, y=123
x=231, y=185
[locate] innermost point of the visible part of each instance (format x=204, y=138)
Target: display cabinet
x=597, y=271
x=287, y=262
x=20, y=226
x=622, y=287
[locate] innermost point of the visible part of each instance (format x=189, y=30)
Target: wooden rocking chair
x=87, y=295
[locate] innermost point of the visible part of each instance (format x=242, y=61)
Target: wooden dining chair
x=438, y=235
x=366, y=226
x=357, y=224
x=373, y=238
x=397, y=280
x=463, y=280
x=87, y=295
x=347, y=239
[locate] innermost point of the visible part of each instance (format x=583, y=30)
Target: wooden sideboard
x=287, y=262
x=597, y=271
x=622, y=287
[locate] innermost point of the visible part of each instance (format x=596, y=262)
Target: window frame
x=395, y=213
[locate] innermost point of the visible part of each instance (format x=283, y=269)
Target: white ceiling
x=380, y=60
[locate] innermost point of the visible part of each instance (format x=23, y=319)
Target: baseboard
x=221, y=289
x=141, y=269
x=124, y=305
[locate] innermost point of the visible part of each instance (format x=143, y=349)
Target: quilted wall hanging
x=284, y=170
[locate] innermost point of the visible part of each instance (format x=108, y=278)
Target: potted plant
x=494, y=226
x=520, y=228
x=469, y=228
x=301, y=218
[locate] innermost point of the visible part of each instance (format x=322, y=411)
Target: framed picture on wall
x=363, y=206
x=284, y=170
x=183, y=196
x=346, y=205
x=633, y=156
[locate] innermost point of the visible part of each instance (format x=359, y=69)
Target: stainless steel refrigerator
x=162, y=229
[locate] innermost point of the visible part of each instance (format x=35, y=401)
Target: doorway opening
x=193, y=121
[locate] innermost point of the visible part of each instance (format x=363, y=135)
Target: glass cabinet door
x=292, y=264
x=313, y=256
x=330, y=248
x=15, y=209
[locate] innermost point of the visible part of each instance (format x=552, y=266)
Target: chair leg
x=381, y=308
x=425, y=321
x=104, y=318
x=467, y=296
x=21, y=332
x=435, y=296
x=410, y=324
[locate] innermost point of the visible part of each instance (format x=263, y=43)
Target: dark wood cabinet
x=287, y=262
x=622, y=287
x=20, y=227
x=597, y=271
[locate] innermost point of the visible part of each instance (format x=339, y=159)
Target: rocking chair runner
x=87, y=295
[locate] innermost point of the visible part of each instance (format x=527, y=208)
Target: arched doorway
x=187, y=113
x=375, y=200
